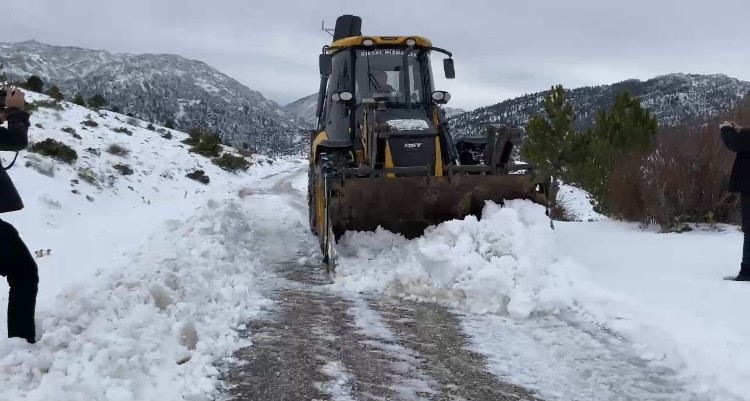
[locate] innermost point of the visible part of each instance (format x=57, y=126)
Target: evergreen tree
x=34, y=83
x=549, y=135
x=79, y=100
x=97, y=101
x=54, y=92
x=626, y=130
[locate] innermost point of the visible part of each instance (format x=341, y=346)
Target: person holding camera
x=737, y=139
x=16, y=262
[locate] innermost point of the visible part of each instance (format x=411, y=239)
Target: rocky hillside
x=673, y=98
x=159, y=88
x=304, y=109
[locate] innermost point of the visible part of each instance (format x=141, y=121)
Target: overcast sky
x=502, y=49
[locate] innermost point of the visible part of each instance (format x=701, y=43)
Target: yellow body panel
x=438, y=158
x=388, y=159
x=378, y=41
x=322, y=136
x=319, y=206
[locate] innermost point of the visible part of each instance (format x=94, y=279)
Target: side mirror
x=325, y=62
x=450, y=71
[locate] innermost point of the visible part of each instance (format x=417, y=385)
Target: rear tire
x=319, y=207
x=311, y=199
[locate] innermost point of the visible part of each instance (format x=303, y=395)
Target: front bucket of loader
x=408, y=205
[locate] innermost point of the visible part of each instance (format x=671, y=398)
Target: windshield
x=379, y=76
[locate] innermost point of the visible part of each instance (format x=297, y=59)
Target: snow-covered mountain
x=673, y=98
x=305, y=107
x=159, y=88
x=105, y=201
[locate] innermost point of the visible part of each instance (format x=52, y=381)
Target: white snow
x=149, y=275
x=408, y=124
x=339, y=386
x=661, y=293
x=577, y=203
x=500, y=263
x=149, y=278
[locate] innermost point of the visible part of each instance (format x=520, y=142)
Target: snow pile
x=503, y=262
x=147, y=329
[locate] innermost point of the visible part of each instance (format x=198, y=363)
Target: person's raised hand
x=15, y=99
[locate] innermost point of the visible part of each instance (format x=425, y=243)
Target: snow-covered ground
x=148, y=275
x=590, y=310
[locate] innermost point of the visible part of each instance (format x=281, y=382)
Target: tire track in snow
x=316, y=344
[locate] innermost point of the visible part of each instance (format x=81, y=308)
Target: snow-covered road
x=399, y=335
x=228, y=300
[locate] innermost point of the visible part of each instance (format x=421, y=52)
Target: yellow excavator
x=382, y=154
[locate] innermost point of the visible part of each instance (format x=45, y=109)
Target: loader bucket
x=408, y=205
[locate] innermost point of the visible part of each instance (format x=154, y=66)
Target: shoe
x=743, y=275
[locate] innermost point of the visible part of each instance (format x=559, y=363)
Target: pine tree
x=549, y=135
x=626, y=130
x=79, y=100
x=97, y=101
x=34, y=83
x=54, y=92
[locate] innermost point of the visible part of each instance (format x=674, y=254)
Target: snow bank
x=151, y=328
x=505, y=262
x=577, y=202
x=108, y=212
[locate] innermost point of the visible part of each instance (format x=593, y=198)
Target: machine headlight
x=411, y=42
x=440, y=96
x=368, y=42
x=342, y=97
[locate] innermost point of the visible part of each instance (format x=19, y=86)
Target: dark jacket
x=14, y=138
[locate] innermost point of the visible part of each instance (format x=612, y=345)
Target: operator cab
x=392, y=73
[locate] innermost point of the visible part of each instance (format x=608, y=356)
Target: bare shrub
x=684, y=180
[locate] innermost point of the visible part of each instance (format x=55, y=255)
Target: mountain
x=451, y=112
x=159, y=88
x=305, y=107
x=673, y=98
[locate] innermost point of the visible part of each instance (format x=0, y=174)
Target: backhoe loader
x=382, y=154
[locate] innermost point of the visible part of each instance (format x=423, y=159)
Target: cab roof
x=378, y=41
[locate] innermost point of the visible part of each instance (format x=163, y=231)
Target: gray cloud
x=501, y=48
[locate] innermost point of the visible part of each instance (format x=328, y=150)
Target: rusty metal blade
x=408, y=205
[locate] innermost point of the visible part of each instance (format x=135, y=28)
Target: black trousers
x=20, y=269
